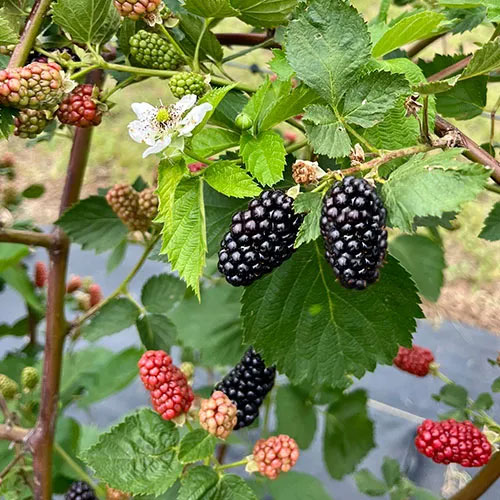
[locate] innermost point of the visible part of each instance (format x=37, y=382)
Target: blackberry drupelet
x=80, y=490
x=353, y=227
x=246, y=385
x=261, y=238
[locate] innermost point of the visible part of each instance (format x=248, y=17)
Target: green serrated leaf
x=280, y=65
x=297, y=486
x=300, y=318
x=368, y=99
x=309, y=203
x=491, y=229
x=191, y=27
x=196, y=445
x=126, y=458
x=162, y=293
x=454, y=395
x=230, y=180
x=430, y=185
x=156, y=331
x=214, y=97
x=424, y=260
x=93, y=224
x=116, y=256
x=369, y=484
x=211, y=141
x=483, y=402
x=325, y=132
x=113, y=317
x=484, y=60
x=264, y=156
x=185, y=242
x=11, y=254
x=326, y=44
x=408, y=29
x=200, y=483
x=127, y=30
x=436, y=87
x=215, y=9
x=348, y=434
x=302, y=427
x=169, y=177
x=8, y=35
x=267, y=14
x=87, y=21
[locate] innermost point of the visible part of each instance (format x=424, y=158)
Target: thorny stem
x=30, y=32
x=239, y=463
x=122, y=287
x=450, y=70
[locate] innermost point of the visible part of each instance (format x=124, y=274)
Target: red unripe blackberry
x=275, y=455
x=171, y=395
x=95, y=294
x=74, y=284
x=196, y=166
x=450, y=441
x=41, y=274
x=218, y=415
x=416, y=360
x=80, y=490
x=261, y=238
x=80, y=108
x=35, y=86
x=135, y=9
x=353, y=227
x=246, y=385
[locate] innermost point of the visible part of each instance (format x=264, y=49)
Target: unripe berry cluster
x=218, y=415
x=275, y=455
x=81, y=107
x=135, y=9
x=416, y=360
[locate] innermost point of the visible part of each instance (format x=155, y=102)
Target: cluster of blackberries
x=246, y=385
x=80, y=491
x=353, y=227
x=261, y=238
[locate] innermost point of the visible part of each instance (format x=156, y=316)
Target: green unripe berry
x=150, y=50
x=8, y=388
x=243, y=121
x=29, y=378
x=187, y=83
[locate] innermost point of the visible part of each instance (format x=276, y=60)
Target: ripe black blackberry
x=246, y=385
x=261, y=238
x=353, y=226
x=80, y=490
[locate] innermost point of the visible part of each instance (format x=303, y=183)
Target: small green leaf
x=211, y=141
x=302, y=427
x=34, y=191
x=264, y=156
x=326, y=44
x=370, y=485
x=491, y=229
x=454, y=395
x=436, y=87
x=483, y=402
x=11, y=254
x=87, y=21
x=17, y=278
x=215, y=9
x=280, y=65
x=423, y=259
x=196, y=446
x=214, y=97
x=162, y=293
x=348, y=434
x=126, y=458
x=185, y=242
x=327, y=135
x=113, y=317
x=156, y=331
x=117, y=255
x=267, y=14
x=391, y=471
x=297, y=486
x=408, y=29
x=93, y=224
x=309, y=203
x=495, y=386
x=486, y=59
x=230, y=180
x=430, y=185
x=367, y=100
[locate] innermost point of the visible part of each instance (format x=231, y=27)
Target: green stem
x=173, y=41
x=296, y=146
x=131, y=298
x=81, y=473
x=360, y=138
x=296, y=124
x=232, y=465
x=493, y=188
x=83, y=72
x=125, y=83
x=168, y=74
x=196, y=157
x=246, y=51
x=122, y=288
x=196, y=59
x=189, y=426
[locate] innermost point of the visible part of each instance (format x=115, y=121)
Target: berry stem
x=264, y=45
x=189, y=426
x=30, y=32
x=231, y=465
x=26, y=237
x=196, y=59
x=396, y=412
x=490, y=187
x=13, y=433
x=83, y=72
x=173, y=41
x=297, y=146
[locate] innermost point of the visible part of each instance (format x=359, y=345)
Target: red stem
x=26, y=237
x=246, y=39
x=42, y=438
x=450, y=70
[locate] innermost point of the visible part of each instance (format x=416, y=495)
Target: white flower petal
x=143, y=110
x=137, y=131
x=159, y=146
x=187, y=102
x=194, y=118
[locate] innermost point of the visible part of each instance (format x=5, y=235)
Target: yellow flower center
x=163, y=115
